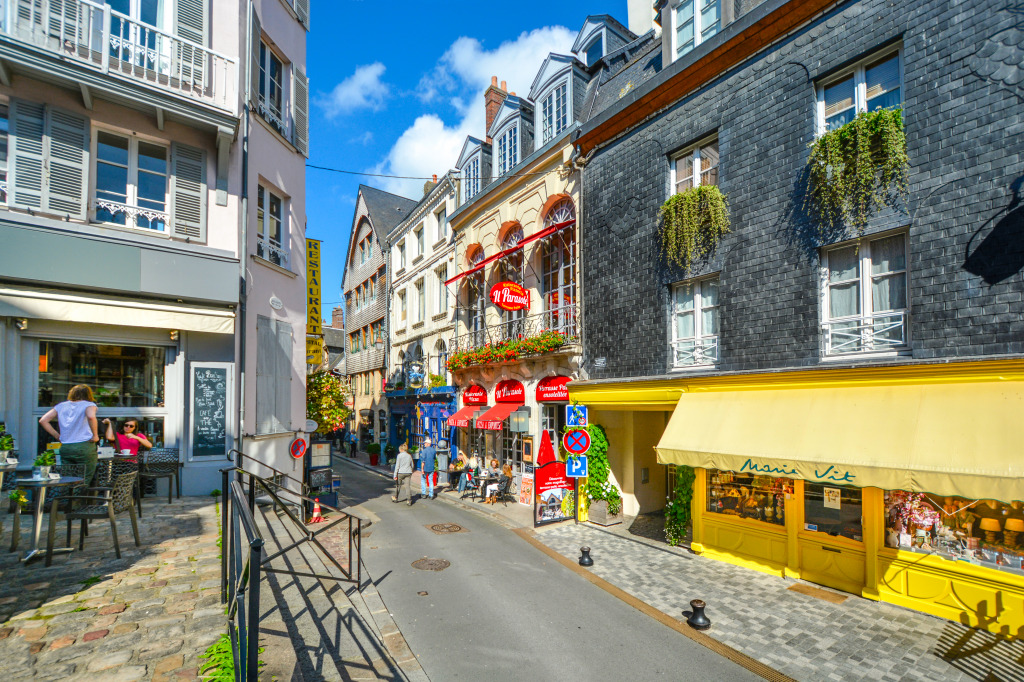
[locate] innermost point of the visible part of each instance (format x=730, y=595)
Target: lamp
x=1011, y=529
x=991, y=527
x=21, y=323
x=519, y=421
x=378, y=345
x=174, y=335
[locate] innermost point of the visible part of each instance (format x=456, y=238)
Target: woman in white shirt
x=79, y=431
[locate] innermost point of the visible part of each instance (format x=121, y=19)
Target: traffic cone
x=317, y=516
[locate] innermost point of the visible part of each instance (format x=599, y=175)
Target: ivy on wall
x=692, y=223
x=678, y=509
x=598, y=486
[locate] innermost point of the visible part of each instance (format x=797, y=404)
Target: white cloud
x=362, y=90
x=459, y=80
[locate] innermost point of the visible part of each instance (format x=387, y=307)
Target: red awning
x=492, y=418
x=462, y=417
x=508, y=252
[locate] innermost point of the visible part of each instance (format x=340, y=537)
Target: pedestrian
x=79, y=431
x=493, y=488
x=403, y=474
x=127, y=437
x=427, y=454
x=353, y=441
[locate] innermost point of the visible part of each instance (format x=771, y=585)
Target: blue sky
x=396, y=87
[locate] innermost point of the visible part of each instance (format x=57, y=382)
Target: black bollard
x=697, y=619
x=585, y=560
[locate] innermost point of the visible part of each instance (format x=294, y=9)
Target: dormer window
x=695, y=21
x=508, y=150
x=595, y=50
x=471, y=178
x=555, y=111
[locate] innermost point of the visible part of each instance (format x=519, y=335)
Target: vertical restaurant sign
x=313, y=324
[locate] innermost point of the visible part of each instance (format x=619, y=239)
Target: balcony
x=269, y=249
x=94, y=35
x=881, y=333
x=565, y=320
x=697, y=352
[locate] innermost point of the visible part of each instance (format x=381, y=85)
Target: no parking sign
x=576, y=442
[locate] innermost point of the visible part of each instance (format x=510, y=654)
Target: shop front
x=416, y=414
x=905, y=488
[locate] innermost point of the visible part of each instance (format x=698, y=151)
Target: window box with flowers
x=507, y=351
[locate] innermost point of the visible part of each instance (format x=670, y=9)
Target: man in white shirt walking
x=403, y=474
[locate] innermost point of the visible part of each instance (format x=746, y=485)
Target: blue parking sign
x=576, y=467
x=576, y=416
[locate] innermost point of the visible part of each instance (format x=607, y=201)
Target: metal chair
x=60, y=497
x=113, y=501
x=107, y=471
x=504, y=492
x=161, y=463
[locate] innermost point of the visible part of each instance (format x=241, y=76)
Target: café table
x=40, y=485
x=482, y=482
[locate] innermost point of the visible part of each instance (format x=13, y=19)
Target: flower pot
x=598, y=513
x=374, y=459
x=40, y=472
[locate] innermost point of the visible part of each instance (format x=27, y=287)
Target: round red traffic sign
x=297, y=448
x=576, y=442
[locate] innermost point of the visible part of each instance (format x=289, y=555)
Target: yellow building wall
x=647, y=430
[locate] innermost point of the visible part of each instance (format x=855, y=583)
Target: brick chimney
x=337, y=321
x=493, y=98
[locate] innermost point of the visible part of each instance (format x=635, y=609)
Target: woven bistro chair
x=161, y=463
x=504, y=492
x=107, y=471
x=110, y=502
x=59, y=498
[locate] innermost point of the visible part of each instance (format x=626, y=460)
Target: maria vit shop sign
x=510, y=296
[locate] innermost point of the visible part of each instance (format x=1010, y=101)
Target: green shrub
x=677, y=511
x=373, y=448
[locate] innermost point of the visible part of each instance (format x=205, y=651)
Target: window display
x=120, y=376
x=749, y=496
x=833, y=509
x=982, y=532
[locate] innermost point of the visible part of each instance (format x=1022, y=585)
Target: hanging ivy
x=692, y=222
x=598, y=486
x=677, y=511
x=853, y=168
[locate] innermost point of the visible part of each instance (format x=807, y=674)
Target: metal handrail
x=277, y=472
x=865, y=334
x=564, y=320
x=240, y=578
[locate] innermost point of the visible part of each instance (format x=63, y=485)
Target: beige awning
x=51, y=304
x=958, y=438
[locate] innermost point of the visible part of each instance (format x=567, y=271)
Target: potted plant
x=16, y=498
x=41, y=467
x=373, y=449
x=6, y=443
x=605, y=504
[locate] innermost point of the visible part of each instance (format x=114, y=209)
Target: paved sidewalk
x=90, y=615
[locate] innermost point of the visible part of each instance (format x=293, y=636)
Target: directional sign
x=576, y=416
x=576, y=467
x=576, y=442
x=297, y=448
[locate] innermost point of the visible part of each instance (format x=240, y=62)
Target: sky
x=396, y=87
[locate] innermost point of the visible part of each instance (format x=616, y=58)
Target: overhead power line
x=415, y=177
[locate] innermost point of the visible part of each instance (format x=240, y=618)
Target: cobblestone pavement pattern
x=90, y=615
x=802, y=636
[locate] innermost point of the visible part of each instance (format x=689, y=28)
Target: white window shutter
x=254, y=59
x=28, y=123
x=283, y=382
x=67, y=158
x=302, y=9
x=301, y=113
x=190, y=24
x=266, y=367
x=188, y=192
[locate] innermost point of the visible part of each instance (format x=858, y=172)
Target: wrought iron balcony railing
x=270, y=250
x=94, y=34
x=869, y=334
x=695, y=352
x=564, y=320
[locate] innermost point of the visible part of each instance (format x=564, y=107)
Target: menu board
x=551, y=486
x=212, y=407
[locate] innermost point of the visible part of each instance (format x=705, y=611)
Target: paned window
x=270, y=243
x=442, y=224
x=508, y=150
x=595, y=50
x=442, y=290
x=695, y=321
x=833, y=509
x=558, y=271
x=421, y=245
x=697, y=166
x=476, y=309
x=511, y=268
x=866, y=296
x=555, y=111
x=401, y=255
x=471, y=178
x=872, y=84
x=401, y=307
x=695, y=22
x=421, y=301
x=4, y=128
x=271, y=99
x=552, y=420
x=131, y=182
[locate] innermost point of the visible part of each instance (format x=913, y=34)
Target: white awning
x=48, y=304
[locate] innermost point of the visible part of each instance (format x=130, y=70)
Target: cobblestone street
x=90, y=615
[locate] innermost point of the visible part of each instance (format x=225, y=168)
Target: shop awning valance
x=546, y=232
x=492, y=418
x=462, y=417
x=952, y=438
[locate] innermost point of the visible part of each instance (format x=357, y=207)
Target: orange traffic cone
x=317, y=516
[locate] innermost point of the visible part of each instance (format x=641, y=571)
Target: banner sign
x=551, y=488
x=313, y=324
x=474, y=395
x=510, y=296
x=314, y=350
x=553, y=389
x=510, y=391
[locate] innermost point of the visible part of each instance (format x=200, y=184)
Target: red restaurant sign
x=474, y=395
x=510, y=296
x=509, y=391
x=553, y=389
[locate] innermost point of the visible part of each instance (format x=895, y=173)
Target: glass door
x=831, y=542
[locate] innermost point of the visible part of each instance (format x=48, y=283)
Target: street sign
x=576, y=416
x=311, y=426
x=576, y=442
x=576, y=467
x=297, y=448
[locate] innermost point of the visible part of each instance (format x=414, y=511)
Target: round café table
x=40, y=485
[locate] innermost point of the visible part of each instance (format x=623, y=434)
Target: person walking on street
x=79, y=430
x=352, y=442
x=427, y=454
x=403, y=474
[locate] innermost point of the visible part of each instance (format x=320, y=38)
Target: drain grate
x=426, y=564
x=446, y=528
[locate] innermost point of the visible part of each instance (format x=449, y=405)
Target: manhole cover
x=431, y=564
x=442, y=528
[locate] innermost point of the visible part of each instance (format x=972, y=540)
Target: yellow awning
x=958, y=438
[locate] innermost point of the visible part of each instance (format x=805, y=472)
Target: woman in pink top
x=127, y=437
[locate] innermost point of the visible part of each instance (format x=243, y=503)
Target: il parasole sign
x=510, y=296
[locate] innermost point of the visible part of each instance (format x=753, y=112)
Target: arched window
x=441, y=351
x=476, y=302
x=558, y=270
x=512, y=271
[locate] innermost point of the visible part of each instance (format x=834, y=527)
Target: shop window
x=985, y=533
x=748, y=496
x=835, y=510
x=120, y=376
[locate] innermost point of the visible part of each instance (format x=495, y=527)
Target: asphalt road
x=505, y=611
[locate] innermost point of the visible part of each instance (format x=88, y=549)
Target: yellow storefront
x=901, y=484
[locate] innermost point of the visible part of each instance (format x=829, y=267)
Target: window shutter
x=27, y=121
x=67, y=155
x=302, y=9
x=301, y=114
x=283, y=383
x=190, y=24
x=254, y=59
x=188, y=192
x=266, y=347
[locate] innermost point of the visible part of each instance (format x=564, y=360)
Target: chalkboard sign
x=212, y=408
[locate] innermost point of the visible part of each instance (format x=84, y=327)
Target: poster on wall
x=526, y=489
x=831, y=498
